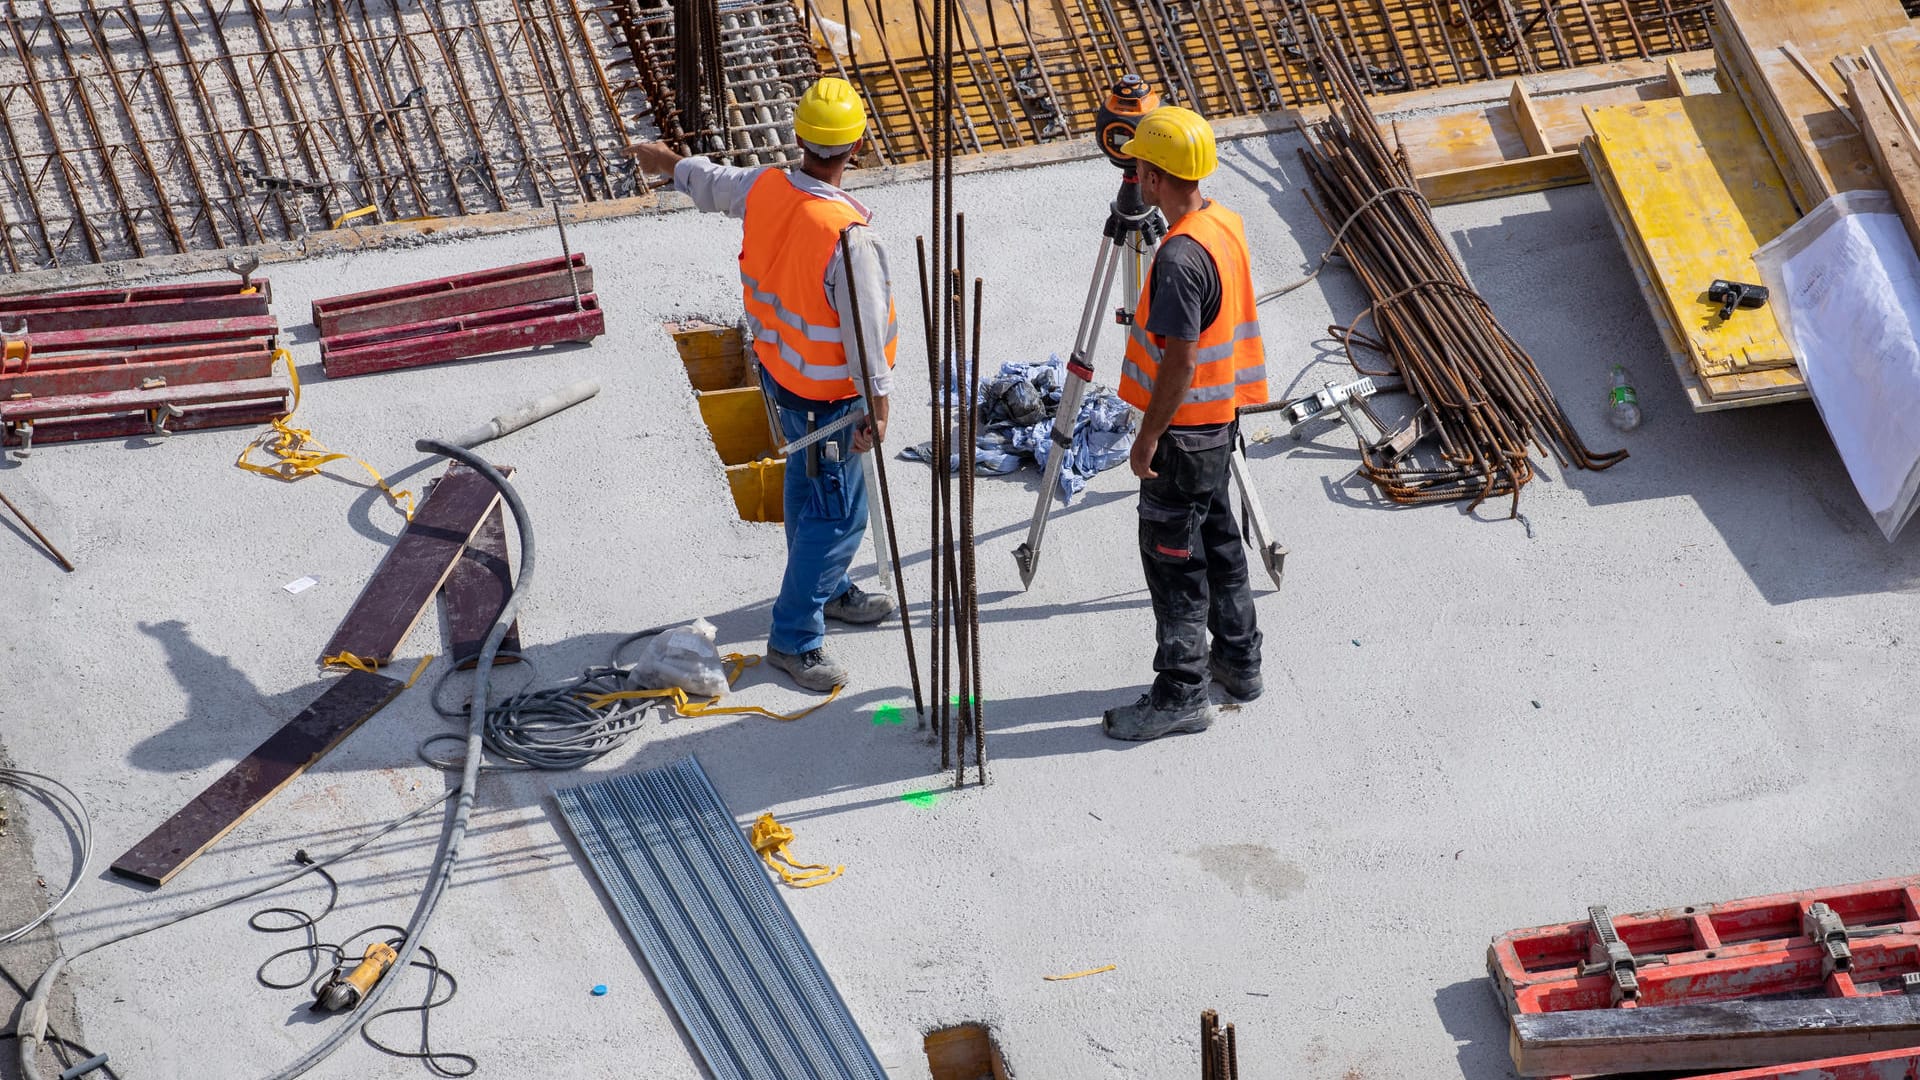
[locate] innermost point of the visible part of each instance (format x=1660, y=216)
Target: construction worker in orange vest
x=799, y=300
x=1193, y=357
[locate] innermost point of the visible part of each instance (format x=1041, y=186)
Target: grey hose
x=442, y=874
x=31, y=1029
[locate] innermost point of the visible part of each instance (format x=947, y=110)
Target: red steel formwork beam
x=441, y=340
x=108, y=372
x=153, y=335
x=460, y=294
x=128, y=307
x=73, y=417
x=1883, y=1065
x=1718, y=952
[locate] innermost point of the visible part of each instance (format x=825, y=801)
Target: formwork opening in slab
x=965, y=1052
x=737, y=414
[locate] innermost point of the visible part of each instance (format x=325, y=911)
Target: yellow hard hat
x=1178, y=141
x=830, y=113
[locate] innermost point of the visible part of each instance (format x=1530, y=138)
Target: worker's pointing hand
x=654, y=157
x=1141, y=457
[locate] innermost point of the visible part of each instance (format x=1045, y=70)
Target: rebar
x=1484, y=394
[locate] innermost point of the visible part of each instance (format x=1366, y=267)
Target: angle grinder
x=341, y=992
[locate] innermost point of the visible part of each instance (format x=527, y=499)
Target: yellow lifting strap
x=686, y=706
x=301, y=455
x=348, y=660
x=770, y=839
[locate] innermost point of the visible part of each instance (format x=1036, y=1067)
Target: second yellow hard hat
x=1178, y=141
x=830, y=113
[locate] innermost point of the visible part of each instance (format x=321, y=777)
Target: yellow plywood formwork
x=1695, y=194
x=1817, y=146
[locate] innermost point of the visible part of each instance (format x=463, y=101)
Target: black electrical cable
x=343, y=955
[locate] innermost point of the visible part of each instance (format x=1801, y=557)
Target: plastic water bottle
x=1623, y=409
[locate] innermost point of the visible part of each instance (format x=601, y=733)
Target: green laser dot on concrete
x=954, y=700
x=918, y=798
x=888, y=714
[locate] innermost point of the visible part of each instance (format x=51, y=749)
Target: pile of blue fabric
x=1016, y=426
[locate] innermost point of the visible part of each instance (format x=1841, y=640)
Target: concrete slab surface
x=1684, y=679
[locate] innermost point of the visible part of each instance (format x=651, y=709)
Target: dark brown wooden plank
x=476, y=591
x=415, y=567
x=1734, y=1034
x=258, y=777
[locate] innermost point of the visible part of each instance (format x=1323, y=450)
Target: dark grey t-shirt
x=1186, y=300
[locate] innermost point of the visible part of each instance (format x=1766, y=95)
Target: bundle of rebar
x=1481, y=393
x=700, y=86
x=954, y=383
x=1219, y=1056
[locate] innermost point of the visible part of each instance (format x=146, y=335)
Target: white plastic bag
x=686, y=657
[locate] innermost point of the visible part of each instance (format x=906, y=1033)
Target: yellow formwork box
x=735, y=412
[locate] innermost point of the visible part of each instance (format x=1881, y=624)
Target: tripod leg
x=1079, y=373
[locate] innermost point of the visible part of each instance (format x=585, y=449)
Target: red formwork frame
x=1727, y=951
x=73, y=417
x=448, y=297
x=1884, y=1065
x=137, y=306
x=441, y=340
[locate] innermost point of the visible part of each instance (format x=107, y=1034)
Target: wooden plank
x=486, y=334
x=1817, y=147
x=715, y=356
x=452, y=302
x=258, y=777
x=1503, y=178
x=737, y=420
x=1727, y=1035
x=1700, y=197
x=475, y=593
x=1676, y=79
x=415, y=567
x=1524, y=118
x=1894, y=152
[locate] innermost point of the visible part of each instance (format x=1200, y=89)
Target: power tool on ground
x=342, y=991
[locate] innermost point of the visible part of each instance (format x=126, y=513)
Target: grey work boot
x=1142, y=720
x=858, y=606
x=1243, y=685
x=811, y=670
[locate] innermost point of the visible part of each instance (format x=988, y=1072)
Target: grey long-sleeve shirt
x=722, y=189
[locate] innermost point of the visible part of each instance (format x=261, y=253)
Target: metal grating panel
x=718, y=937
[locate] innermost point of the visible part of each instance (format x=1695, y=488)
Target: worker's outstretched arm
x=716, y=189
x=1170, y=385
x=870, y=275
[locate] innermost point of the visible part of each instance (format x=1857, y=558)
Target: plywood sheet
x=1700, y=196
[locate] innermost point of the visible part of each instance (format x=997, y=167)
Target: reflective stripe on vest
x=790, y=240
x=1230, y=360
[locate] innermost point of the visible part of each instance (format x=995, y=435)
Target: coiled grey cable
x=65, y=802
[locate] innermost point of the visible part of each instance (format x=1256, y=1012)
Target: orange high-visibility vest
x=1230, y=366
x=790, y=239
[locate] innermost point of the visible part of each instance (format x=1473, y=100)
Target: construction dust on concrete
x=1678, y=680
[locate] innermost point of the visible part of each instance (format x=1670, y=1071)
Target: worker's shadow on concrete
x=224, y=708
x=1767, y=477
x=1479, y=1029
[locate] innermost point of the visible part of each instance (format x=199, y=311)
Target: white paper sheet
x=1845, y=287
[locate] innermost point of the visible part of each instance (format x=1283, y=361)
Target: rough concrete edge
x=441, y=230
x=21, y=895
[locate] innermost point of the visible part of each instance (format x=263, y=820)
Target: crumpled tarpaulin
x=1017, y=427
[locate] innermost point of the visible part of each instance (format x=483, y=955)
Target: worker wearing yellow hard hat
x=1193, y=357
x=801, y=285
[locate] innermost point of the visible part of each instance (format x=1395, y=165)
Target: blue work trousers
x=826, y=518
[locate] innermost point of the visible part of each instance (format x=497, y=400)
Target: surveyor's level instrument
x=1132, y=232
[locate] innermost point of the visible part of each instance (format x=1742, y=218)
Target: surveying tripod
x=1131, y=236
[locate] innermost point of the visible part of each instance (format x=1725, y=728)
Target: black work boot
x=811, y=670
x=1143, y=720
x=1243, y=685
x=858, y=606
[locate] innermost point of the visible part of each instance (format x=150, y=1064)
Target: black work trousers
x=1196, y=572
